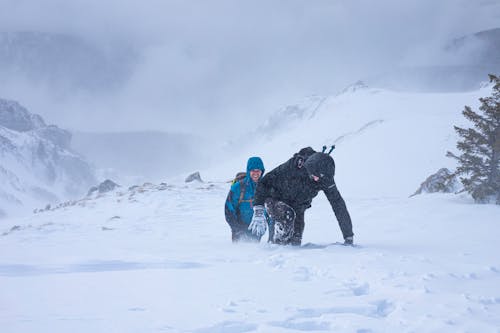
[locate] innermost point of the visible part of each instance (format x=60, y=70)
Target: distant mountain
x=461, y=65
x=482, y=48
x=279, y=120
x=37, y=165
x=288, y=116
x=64, y=62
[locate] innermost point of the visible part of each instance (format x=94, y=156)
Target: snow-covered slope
x=387, y=143
x=37, y=165
x=158, y=258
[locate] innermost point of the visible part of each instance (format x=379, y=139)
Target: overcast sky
x=205, y=64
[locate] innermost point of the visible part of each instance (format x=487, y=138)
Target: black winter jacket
x=291, y=184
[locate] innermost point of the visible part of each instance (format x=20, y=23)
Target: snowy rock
x=37, y=162
x=194, y=177
x=358, y=85
x=442, y=181
x=15, y=117
x=104, y=187
x=56, y=135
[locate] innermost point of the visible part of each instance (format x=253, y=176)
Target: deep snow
x=158, y=258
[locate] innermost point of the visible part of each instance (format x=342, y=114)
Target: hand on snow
x=348, y=241
x=258, y=226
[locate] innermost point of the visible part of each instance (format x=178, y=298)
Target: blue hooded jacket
x=238, y=211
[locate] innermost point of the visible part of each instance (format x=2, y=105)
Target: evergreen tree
x=480, y=148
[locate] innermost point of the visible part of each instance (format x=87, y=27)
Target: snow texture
x=159, y=258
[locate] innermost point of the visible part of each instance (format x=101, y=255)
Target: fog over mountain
x=37, y=163
x=140, y=156
x=65, y=63
x=212, y=67
x=458, y=65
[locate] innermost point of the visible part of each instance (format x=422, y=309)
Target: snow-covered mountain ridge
x=37, y=164
x=387, y=142
x=122, y=196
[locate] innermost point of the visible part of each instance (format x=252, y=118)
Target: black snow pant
x=287, y=223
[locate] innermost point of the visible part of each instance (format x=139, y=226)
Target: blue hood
x=255, y=163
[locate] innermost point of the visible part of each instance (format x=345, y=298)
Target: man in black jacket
x=287, y=191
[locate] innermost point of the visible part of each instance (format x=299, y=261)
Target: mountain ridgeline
x=462, y=64
x=37, y=164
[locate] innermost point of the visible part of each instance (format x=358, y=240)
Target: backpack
x=239, y=178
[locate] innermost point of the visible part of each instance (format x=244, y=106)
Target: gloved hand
x=258, y=226
x=348, y=240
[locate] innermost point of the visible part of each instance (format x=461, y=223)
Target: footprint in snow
x=228, y=327
x=302, y=274
x=277, y=261
x=494, y=269
x=379, y=309
x=230, y=308
x=137, y=309
x=360, y=290
x=302, y=326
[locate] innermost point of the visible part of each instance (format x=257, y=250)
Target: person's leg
x=271, y=229
x=283, y=217
x=298, y=228
x=244, y=236
x=235, y=236
x=251, y=238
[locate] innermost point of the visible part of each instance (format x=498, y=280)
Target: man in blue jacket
x=239, y=203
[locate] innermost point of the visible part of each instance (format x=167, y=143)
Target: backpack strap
x=242, y=193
